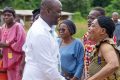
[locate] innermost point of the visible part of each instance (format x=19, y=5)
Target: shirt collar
x=46, y=26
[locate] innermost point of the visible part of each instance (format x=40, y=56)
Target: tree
x=82, y=6
x=114, y=6
x=21, y=4
x=101, y=3
x=1, y=0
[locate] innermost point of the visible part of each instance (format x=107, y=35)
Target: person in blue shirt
x=115, y=18
x=71, y=50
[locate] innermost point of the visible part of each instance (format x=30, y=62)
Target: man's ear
x=48, y=10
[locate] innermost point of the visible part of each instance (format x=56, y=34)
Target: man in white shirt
x=35, y=16
x=40, y=47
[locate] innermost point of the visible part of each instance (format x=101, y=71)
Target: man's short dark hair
x=101, y=10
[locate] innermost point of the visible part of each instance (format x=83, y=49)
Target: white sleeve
x=46, y=58
x=22, y=22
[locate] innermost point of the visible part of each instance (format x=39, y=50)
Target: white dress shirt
x=41, y=53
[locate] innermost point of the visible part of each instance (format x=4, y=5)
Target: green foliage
x=77, y=17
x=82, y=6
x=81, y=28
x=71, y=5
x=81, y=24
x=102, y=3
x=114, y=6
x=21, y=4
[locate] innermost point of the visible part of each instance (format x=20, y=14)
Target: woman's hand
x=3, y=45
x=74, y=78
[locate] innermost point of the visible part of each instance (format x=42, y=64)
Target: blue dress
x=72, y=56
x=117, y=32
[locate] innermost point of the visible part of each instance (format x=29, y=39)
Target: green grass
x=27, y=25
x=81, y=29
x=81, y=26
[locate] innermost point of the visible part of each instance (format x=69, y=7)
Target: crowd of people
x=43, y=54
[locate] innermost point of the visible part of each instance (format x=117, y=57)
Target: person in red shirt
x=89, y=45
